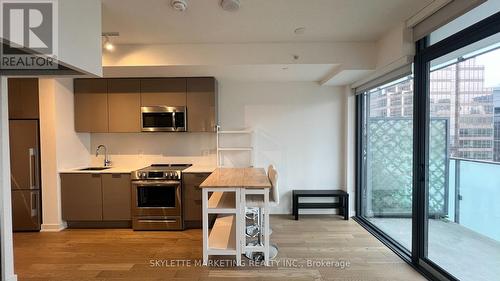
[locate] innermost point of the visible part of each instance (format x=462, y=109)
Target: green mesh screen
x=390, y=167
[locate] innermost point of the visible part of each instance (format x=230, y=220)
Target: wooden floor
x=99, y=255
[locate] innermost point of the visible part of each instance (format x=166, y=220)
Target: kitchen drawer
x=155, y=223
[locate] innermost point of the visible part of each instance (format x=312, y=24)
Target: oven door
x=156, y=198
x=163, y=118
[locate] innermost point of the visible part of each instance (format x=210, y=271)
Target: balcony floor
x=457, y=249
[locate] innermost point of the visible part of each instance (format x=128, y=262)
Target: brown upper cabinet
x=23, y=98
x=124, y=105
x=91, y=105
x=114, y=104
x=202, y=104
x=163, y=91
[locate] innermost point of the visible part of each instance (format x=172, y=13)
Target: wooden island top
x=237, y=177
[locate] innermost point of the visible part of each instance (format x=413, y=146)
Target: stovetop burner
x=160, y=171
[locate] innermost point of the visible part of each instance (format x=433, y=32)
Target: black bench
x=342, y=205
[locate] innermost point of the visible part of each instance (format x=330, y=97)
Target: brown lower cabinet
x=95, y=197
x=116, y=194
x=192, y=199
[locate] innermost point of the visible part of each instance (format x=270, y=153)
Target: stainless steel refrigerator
x=25, y=174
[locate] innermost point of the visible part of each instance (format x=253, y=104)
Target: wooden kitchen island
x=224, y=193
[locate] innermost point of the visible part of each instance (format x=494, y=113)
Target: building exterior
x=472, y=112
x=496, y=140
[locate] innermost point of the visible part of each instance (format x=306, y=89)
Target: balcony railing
x=474, y=195
x=463, y=191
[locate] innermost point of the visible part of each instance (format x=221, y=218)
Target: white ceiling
x=346, y=77
x=153, y=21
x=264, y=73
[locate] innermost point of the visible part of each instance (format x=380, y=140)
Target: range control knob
x=143, y=175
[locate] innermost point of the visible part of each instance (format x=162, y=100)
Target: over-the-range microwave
x=163, y=118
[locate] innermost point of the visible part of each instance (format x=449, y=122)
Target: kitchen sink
x=94, y=169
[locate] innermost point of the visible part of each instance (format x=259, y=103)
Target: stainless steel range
x=156, y=197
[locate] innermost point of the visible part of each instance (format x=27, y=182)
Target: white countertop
x=200, y=169
x=112, y=170
x=129, y=169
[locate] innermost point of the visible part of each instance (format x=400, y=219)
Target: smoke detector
x=179, y=5
x=230, y=5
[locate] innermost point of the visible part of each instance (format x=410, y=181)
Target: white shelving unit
x=222, y=238
x=224, y=152
x=263, y=204
x=225, y=236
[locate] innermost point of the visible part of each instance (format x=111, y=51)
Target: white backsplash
x=142, y=149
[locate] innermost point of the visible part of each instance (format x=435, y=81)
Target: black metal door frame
x=425, y=53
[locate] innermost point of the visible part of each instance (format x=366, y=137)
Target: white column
x=7, y=251
x=350, y=144
x=51, y=203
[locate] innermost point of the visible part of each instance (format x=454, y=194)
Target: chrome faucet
x=106, y=160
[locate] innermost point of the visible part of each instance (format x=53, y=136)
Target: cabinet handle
x=31, y=152
x=96, y=175
x=158, y=221
x=34, y=204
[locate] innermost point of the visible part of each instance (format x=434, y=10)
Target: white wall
x=299, y=127
x=61, y=147
x=6, y=247
x=137, y=150
x=79, y=35
x=72, y=148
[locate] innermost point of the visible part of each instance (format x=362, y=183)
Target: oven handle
x=159, y=220
x=159, y=183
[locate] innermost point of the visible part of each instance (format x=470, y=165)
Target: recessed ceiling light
x=230, y=5
x=179, y=5
x=299, y=30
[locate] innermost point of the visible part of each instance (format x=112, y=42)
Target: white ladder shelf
x=226, y=151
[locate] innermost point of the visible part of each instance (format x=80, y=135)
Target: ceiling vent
x=179, y=5
x=230, y=5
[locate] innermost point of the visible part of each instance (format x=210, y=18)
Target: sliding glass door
x=428, y=171
x=387, y=158
x=464, y=93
